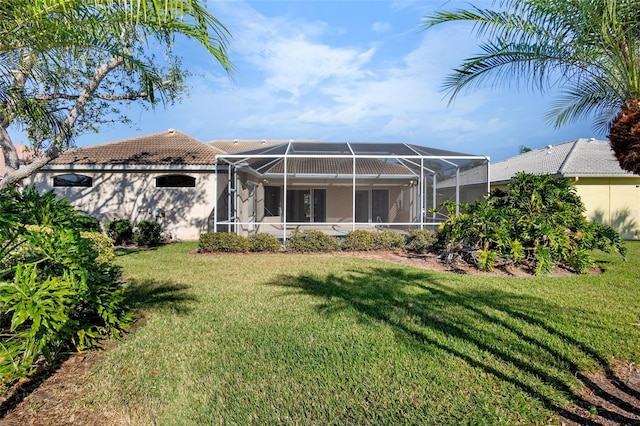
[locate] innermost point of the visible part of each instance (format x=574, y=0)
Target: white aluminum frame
x=234, y=161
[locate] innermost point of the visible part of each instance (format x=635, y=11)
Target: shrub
x=264, y=242
x=56, y=292
x=148, y=233
x=487, y=260
x=312, y=241
x=120, y=231
x=359, y=240
x=388, y=240
x=421, y=240
x=102, y=244
x=538, y=218
x=516, y=251
x=227, y=242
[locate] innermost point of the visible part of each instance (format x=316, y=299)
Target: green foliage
x=363, y=240
x=58, y=289
x=359, y=240
x=389, y=240
x=487, y=260
x=120, y=231
x=227, y=242
x=538, y=219
x=544, y=260
x=587, y=47
x=605, y=238
x=421, y=240
x=264, y=242
x=312, y=241
x=581, y=261
x=516, y=251
x=102, y=244
x=28, y=207
x=86, y=56
x=148, y=233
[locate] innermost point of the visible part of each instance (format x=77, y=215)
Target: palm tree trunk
x=624, y=135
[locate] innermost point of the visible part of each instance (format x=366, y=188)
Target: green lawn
x=316, y=339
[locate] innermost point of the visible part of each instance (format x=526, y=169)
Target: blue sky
x=346, y=71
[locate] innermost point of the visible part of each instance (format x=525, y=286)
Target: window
x=175, y=181
x=272, y=201
x=72, y=179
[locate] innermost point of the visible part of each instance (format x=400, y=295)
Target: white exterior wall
x=133, y=195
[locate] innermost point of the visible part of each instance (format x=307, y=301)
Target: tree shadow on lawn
x=149, y=294
x=526, y=348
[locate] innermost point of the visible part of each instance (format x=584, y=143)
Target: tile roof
x=338, y=166
x=577, y=158
x=158, y=149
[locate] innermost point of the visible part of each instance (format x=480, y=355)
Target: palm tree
x=588, y=48
x=55, y=55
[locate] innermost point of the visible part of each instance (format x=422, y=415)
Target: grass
x=316, y=339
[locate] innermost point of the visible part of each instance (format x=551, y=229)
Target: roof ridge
x=131, y=138
x=568, y=156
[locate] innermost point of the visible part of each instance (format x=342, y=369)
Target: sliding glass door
x=372, y=206
x=307, y=205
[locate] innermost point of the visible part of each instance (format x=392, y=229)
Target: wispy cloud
x=308, y=78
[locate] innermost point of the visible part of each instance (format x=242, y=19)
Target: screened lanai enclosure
x=340, y=187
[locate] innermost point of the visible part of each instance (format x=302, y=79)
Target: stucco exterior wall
x=612, y=201
x=133, y=195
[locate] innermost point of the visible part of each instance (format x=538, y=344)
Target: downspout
x=422, y=190
x=215, y=195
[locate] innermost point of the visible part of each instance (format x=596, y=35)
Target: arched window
x=72, y=179
x=175, y=181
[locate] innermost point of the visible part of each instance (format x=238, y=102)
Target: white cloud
x=381, y=27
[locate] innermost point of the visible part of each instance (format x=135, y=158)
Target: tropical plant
x=538, y=219
x=588, y=48
x=58, y=288
x=64, y=62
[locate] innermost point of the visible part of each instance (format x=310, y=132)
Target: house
x=166, y=177
x=254, y=186
x=610, y=195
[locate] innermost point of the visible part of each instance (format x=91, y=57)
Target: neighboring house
x=25, y=155
x=610, y=194
x=259, y=185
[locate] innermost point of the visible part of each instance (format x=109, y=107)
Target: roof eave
x=128, y=167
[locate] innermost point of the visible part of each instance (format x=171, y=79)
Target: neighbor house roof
x=171, y=148
x=576, y=158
